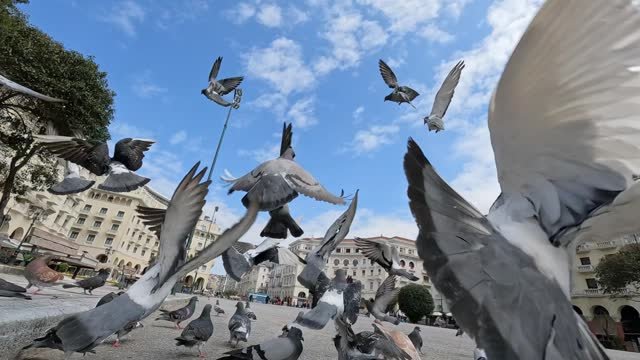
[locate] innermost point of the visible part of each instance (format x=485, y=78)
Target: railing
x=606, y=244
x=585, y=268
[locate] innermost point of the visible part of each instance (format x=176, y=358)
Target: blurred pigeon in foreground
x=400, y=94
x=280, y=348
x=341, y=297
x=179, y=315
x=250, y=314
x=385, y=255
x=84, y=331
x=479, y=354
x=352, y=346
x=443, y=98
x=9, y=289
x=239, y=325
x=132, y=325
x=6, y=84
x=218, y=309
x=459, y=332
x=198, y=332
x=127, y=158
x=72, y=183
x=237, y=264
x=91, y=283
x=398, y=346
x=416, y=338
x=40, y=275
x=218, y=88
x=386, y=298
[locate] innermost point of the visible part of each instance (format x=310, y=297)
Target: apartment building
x=255, y=281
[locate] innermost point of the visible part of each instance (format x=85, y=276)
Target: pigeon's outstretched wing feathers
x=387, y=74
x=13, y=86
x=375, y=250
x=230, y=84
x=215, y=68
x=93, y=157
x=130, y=152
x=445, y=93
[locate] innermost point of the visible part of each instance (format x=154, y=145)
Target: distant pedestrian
x=251, y=298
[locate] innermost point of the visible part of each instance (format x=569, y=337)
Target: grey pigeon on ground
x=386, y=298
x=9, y=289
x=236, y=264
x=416, y=338
x=218, y=88
x=279, y=348
x=400, y=94
x=83, y=331
x=443, y=98
x=218, y=310
x=91, y=283
x=397, y=344
x=352, y=346
x=120, y=169
x=72, y=183
x=132, y=325
x=179, y=315
x=312, y=275
x=459, y=332
x=40, y=275
x=250, y=314
x=280, y=220
x=198, y=332
x=340, y=298
x=276, y=182
x=239, y=325
x=385, y=255
x=7, y=85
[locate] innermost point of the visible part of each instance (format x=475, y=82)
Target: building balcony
x=582, y=248
x=585, y=268
x=588, y=293
x=606, y=244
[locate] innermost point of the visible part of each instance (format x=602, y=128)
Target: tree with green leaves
x=31, y=58
x=415, y=301
x=619, y=273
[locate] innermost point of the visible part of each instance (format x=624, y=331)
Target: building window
x=354, y=273
x=103, y=211
x=371, y=272
x=410, y=252
x=348, y=250
x=379, y=271
x=592, y=283
x=425, y=278
x=143, y=252
x=81, y=221
x=338, y=250
x=90, y=238
x=66, y=221
x=370, y=285
x=355, y=262
x=411, y=265
x=371, y=262
x=74, y=235
x=87, y=208
x=156, y=244
x=336, y=262
x=109, y=241
x=345, y=262
x=364, y=272
x=357, y=250
x=120, y=214
x=199, y=245
x=128, y=247
x=115, y=227
x=147, y=242
x=585, y=261
x=401, y=250
x=402, y=263
x=97, y=224
x=135, y=249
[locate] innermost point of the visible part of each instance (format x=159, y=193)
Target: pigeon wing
x=152, y=218
x=351, y=296
x=445, y=93
x=388, y=285
x=13, y=86
x=9, y=286
x=287, y=137
x=376, y=251
x=235, y=264
x=213, y=74
x=338, y=230
x=301, y=181
x=387, y=74
x=93, y=157
x=130, y=152
x=230, y=84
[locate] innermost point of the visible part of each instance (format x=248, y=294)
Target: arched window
x=402, y=263
x=336, y=262
x=345, y=262
x=355, y=262
x=411, y=265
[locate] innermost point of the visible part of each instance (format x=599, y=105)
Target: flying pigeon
x=397, y=346
x=443, y=99
x=279, y=348
x=9, y=289
x=179, y=315
x=386, y=298
x=341, y=297
x=127, y=158
x=132, y=325
x=400, y=94
x=563, y=125
x=84, y=331
x=352, y=346
x=198, y=332
x=280, y=220
x=237, y=264
x=218, y=309
x=385, y=255
x=276, y=182
x=312, y=276
x=249, y=312
x=8, y=85
x=218, y=88
x=39, y=275
x=239, y=325
x=91, y=283
x=72, y=183
x=416, y=338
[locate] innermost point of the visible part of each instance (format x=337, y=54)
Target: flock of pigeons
x=564, y=130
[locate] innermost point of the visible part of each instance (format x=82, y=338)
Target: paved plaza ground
x=155, y=340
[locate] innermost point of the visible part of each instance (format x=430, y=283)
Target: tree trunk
x=17, y=163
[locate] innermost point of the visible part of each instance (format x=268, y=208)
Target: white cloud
x=179, y=12
x=119, y=130
x=405, y=16
x=301, y=113
x=241, y=12
x=357, y=113
x=368, y=140
x=125, y=16
x=275, y=102
x=281, y=65
x=144, y=87
x=262, y=154
x=433, y=33
x=297, y=16
x=178, y=137
x=270, y=15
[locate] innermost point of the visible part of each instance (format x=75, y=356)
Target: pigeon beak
x=203, y=92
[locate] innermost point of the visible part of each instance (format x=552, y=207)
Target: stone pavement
x=155, y=340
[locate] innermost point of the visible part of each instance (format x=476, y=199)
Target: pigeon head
x=217, y=302
x=387, y=98
x=240, y=305
x=104, y=271
x=295, y=333
x=341, y=274
x=193, y=299
x=417, y=328
x=206, y=312
x=203, y=92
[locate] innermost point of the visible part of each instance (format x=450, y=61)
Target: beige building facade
x=255, y=281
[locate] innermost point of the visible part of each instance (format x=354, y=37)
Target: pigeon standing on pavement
x=218, y=88
x=197, y=332
x=218, y=309
x=416, y=338
x=352, y=346
x=249, y=312
x=443, y=98
x=459, y=332
x=237, y=264
x=132, y=325
x=120, y=169
x=40, y=275
x=82, y=332
x=7, y=85
x=239, y=325
x=288, y=347
x=9, y=289
x=179, y=315
x=91, y=283
x=400, y=94
x=386, y=298
x=385, y=255
x=399, y=346
x=72, y=183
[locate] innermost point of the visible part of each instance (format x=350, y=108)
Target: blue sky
x=314, y=63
